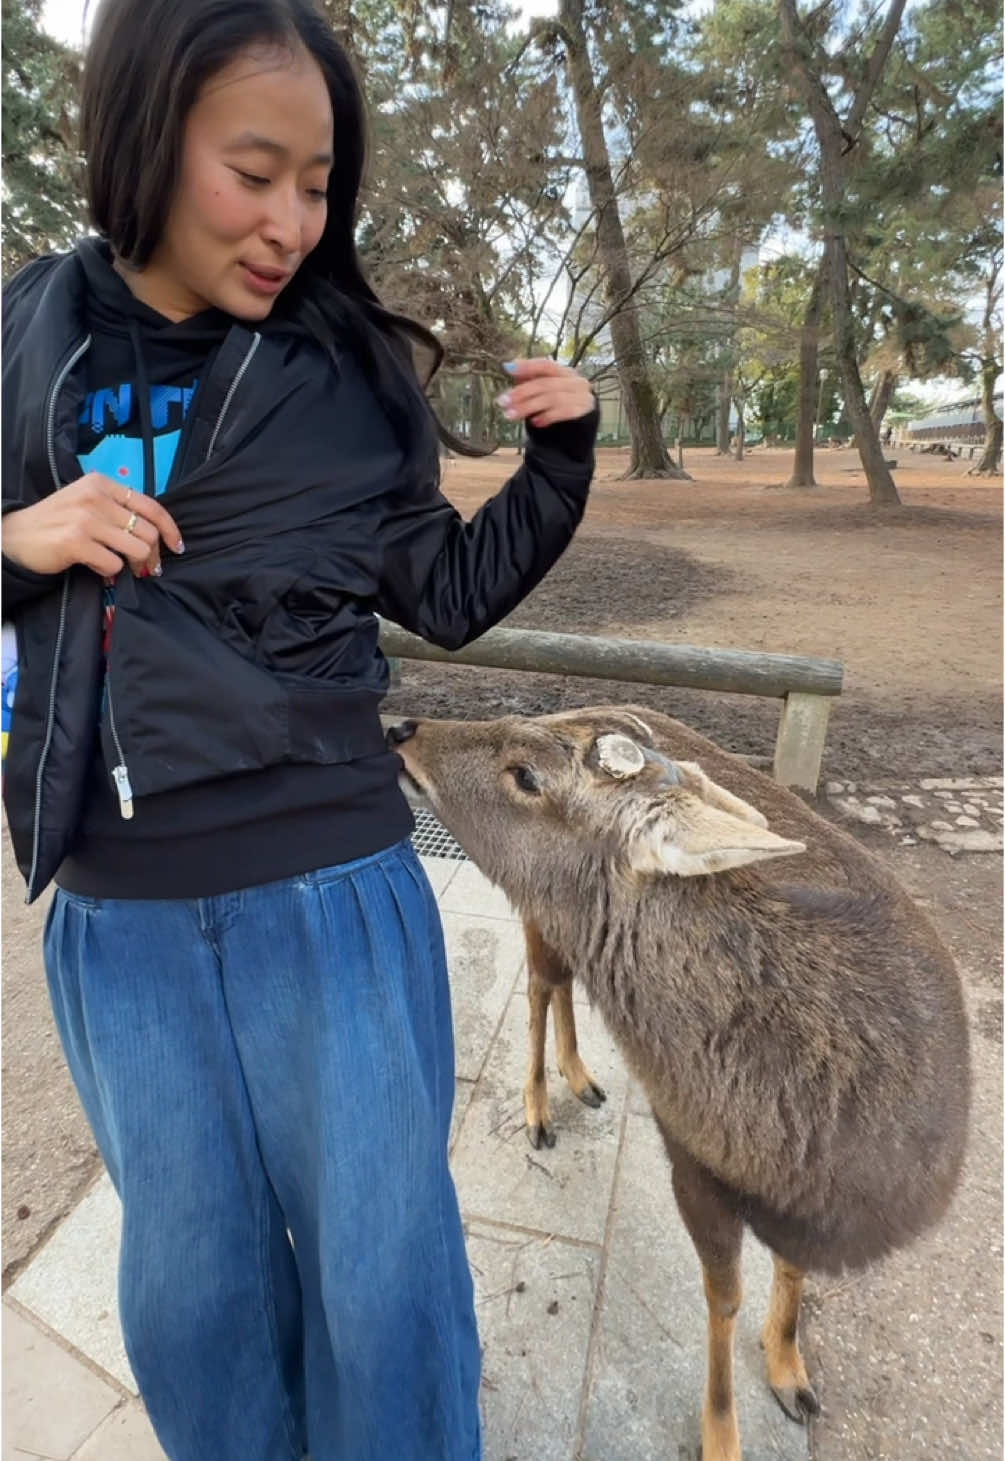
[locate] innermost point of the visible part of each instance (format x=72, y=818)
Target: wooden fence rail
x=805, y=685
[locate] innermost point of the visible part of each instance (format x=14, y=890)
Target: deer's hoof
x=592, y=1095
x=798, y=1401
x=540, y=1135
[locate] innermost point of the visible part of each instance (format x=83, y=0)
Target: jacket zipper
x=50, y=447
x=256, y=340
x=120, y=772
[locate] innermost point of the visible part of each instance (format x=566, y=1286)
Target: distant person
x=244, y=956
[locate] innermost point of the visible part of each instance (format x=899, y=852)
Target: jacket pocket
x=187, y=707
x=190, y=708
x=328, y=723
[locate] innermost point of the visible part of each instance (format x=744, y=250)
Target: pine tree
x=42, y=169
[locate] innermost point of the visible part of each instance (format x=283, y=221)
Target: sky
x=64, y=18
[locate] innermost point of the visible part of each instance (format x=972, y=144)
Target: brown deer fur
x=797, y=1024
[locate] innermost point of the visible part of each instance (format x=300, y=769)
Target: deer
x=801, y=1036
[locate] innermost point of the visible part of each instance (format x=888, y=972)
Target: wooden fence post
x=799, y=749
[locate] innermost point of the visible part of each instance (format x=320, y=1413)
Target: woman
x=244, y=957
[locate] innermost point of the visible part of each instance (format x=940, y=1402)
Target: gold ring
x=131, y=523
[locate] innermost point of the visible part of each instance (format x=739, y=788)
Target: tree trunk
x=836, y=138
x=991, y=365
x=882, y=491
x=882, y=397
x=726, y=384
x=722, y=416
x=809, y=395
x=649, y=454
x=879, y=400
x=990, y=463
x=476, y=427
x=741, y=431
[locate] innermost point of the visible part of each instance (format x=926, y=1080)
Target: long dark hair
x=146, y=63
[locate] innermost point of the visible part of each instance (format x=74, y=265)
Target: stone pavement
x=589, y=1294
x=957, y=813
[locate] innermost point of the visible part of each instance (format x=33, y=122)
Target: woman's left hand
x=545, y=392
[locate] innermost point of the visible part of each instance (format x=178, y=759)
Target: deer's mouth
x=412, y=788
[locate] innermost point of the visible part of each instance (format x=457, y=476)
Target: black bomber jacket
x=302, y=520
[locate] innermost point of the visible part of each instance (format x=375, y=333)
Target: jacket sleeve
x=449, y=580
x=19, y=586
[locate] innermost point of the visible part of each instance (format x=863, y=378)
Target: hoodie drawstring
x=146, y=421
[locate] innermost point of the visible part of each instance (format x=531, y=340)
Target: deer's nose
x=403, y=731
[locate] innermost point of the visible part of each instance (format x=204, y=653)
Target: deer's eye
x=525, y=780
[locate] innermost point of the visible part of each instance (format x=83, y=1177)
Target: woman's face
x=250, y=202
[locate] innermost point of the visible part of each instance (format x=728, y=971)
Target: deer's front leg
x=535, y=1090
x=570, y=1062
x=549, y=982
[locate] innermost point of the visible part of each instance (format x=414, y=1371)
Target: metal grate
x=431, y=838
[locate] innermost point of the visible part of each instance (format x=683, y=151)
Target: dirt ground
x=909, y=600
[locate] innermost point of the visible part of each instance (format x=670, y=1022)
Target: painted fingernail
x=510, y=414
x=179, y=546
x=504, y=400
x=510, y=367
x=158, y=570
x=144, y=572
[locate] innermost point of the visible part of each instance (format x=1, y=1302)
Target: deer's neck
x=663, y=959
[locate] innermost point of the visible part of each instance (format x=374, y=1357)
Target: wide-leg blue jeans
x=269, y=1075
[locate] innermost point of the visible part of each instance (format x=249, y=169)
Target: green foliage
x=42, y=173
x=778, y=403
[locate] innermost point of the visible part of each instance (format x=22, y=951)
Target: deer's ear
x=710, y=791
x=692, y=839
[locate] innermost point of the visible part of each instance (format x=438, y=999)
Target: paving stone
x=964, y=783
x=535, y=1299
x=126, y=1435
x=914, y=801
x=863, y=813
x=563, y=1189
x=72, y=1284
x=649, y=1372
x=463, y=1091
x=484, y=958
x=470, y=891
x=882, y=801
x=967, y=822
x=440, y=871
x=976, y=840
x=37, y=1370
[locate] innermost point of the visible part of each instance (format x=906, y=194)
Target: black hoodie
x=240, y=711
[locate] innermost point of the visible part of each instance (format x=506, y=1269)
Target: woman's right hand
x=95, y=521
